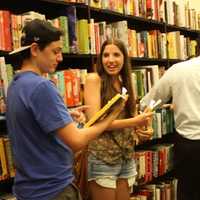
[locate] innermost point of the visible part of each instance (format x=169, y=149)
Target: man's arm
x=78, y=138
x=161, y=90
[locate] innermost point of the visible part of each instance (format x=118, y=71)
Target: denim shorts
x=106, y=175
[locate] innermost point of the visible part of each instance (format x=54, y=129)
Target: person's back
x=186, y=95
x=181, y=82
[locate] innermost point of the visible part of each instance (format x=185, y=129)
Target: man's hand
x=78, y=114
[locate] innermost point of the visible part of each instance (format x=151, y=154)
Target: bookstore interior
x=157, y=35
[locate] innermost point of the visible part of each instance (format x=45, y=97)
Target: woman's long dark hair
x=125, y=73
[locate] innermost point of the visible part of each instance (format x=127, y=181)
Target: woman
x=111, y=167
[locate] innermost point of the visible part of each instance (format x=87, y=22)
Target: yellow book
x=9, y=156
x=95, y=3
x=105, y=109
x=4, y=167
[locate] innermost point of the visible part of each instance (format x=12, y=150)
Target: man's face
x=48, y=58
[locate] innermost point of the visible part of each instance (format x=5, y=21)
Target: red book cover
x=1, y=31
x=76, y=86
x=7, y=31
x=68, y=76
x=97, y=37
x=161, y=162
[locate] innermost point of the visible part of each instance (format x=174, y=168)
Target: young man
x=181, y=82
x=42, y=132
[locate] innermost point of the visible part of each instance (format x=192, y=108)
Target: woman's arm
x=139, y=120
x=92, y=94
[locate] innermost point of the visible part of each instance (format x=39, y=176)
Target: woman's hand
x=145, y=118
x=143, y=133
x=144, y=130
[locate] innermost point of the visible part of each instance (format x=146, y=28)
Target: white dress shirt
x=181, y=82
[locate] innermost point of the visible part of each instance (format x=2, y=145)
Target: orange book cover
x=68, y=76
x=7, y=31
x=76, y=88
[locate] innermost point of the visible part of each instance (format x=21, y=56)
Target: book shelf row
x=69, y=83
x=86, y=37
x=153, y=162
x=172, y=12
x=161, y=190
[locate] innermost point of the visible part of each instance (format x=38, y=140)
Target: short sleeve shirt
x=35, y=110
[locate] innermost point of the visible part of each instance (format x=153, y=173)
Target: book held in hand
x=107, y=108
x=153, y=105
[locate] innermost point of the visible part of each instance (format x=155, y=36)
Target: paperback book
x=107, y=108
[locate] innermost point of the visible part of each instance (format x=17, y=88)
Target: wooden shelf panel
x=185, y=31
x=51, y=8
x=149, y=61
x=80, y=61
x=133, y=21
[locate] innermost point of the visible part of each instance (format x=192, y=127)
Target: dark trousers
x=187, y=167
x=71, y=192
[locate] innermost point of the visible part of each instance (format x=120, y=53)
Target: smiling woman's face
x=112, y=59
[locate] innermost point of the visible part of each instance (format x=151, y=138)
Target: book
x=153, y=105
x=107, y=108
x=4, y=167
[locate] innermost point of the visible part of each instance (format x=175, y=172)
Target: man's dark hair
x=39, y=31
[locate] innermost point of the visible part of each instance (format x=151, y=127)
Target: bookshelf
x=54, y=8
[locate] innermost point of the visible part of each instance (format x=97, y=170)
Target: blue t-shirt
x=35, y=110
